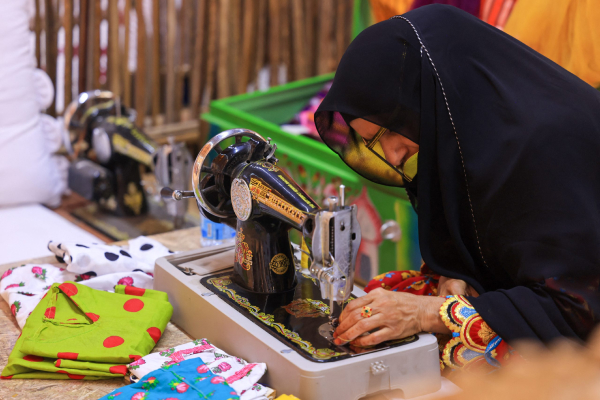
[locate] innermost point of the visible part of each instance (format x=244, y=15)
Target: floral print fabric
x=187, y=379
x=100, y=267
x=242, y=376
x=422, y=282
x=472, y=343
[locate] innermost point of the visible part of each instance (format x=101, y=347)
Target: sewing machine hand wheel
x=212, y=183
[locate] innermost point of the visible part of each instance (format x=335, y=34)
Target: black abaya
x=508, y=184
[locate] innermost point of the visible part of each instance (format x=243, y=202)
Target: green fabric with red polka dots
x=76, y=332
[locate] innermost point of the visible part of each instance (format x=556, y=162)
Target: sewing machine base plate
x=293, y=317
x=123, y=228
x=412, y=368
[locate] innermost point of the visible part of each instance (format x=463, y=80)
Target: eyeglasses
x=373, y=141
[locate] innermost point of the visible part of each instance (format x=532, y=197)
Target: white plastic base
x=411, y=370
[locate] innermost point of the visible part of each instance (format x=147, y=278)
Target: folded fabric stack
x=240, y=375
x=97, y=266
x=190, y=379
x=76, y=332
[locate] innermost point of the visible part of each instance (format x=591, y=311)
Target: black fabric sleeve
x=523, y=313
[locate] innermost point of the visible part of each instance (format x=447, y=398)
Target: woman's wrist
x=429, y=317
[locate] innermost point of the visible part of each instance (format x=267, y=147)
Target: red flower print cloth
x=473, y=344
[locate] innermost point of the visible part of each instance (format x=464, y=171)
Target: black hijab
x=508, y=186
x=379, y=85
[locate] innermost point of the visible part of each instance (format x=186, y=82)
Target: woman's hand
x=450, y=287
x=395, y=315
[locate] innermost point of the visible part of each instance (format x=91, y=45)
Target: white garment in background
x=25, y=231
x=29, y=172
x=102, y=259
x=242, y=376
x=86, y=263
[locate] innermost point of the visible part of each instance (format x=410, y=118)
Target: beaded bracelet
x=473, y=342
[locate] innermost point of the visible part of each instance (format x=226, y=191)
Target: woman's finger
x=354, y=305
x=345, y=323
x=357, y=303
x=451, y=287
x=472, y=292
x=362, y=326
x=350, y=320
x=374, y=338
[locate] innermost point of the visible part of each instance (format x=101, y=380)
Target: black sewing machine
x=108, y=153
x=108, y=150
x=272, y=296
x=243, y=187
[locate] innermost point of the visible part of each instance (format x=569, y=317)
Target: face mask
x=410, y=166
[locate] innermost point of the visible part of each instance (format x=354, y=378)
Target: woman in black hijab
x=507, y=183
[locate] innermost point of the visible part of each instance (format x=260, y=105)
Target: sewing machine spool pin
x=173, y=194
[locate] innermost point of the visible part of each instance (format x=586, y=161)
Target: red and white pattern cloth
x=100, y=267
x=472, y=342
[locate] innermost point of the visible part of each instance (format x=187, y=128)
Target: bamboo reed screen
x=169, y=58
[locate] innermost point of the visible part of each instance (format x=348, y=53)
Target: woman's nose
x=393, y=151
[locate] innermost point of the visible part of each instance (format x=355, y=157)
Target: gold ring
x=366, y=312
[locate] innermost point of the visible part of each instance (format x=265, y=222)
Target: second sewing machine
x=264, y=301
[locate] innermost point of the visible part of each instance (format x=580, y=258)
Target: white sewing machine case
x=410, y=370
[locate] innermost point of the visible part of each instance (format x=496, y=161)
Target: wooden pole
x=211, y=59
x=125, y=56
x=299, y=53
x=51, y=47
x=223, y=52
x=68, y=27
x=114, y=67
x=285, y=43
x=140, y=73
x=274, y=35
x=261, y=37
x=248, y=44
x=83, y=44
x=197, y=70
x=324, y=35
x=96, y=12
x=234, y=45
x=37, y=26
x=180, y=55
x=155, y=60
x=171, y=36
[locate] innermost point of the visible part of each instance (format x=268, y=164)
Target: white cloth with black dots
x=98, y=266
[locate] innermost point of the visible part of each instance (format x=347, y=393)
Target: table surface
x=47, y=389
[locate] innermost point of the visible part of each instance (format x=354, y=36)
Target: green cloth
x=76, y=332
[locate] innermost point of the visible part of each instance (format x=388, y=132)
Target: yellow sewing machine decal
x=307, y=308
x=263, y=195
x=243, y=255
x=270, y=167
x=279, y=264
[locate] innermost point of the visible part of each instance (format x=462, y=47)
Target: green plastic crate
x=320, y=171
